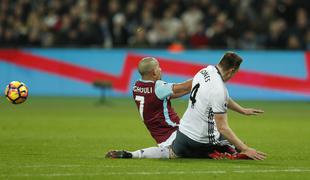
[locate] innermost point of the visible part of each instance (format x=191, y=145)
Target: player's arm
x=181, y=89
x=227, y=132
x=233, y=105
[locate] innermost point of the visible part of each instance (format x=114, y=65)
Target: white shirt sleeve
x=163, y=89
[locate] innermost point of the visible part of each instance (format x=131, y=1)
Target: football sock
x=152, y=152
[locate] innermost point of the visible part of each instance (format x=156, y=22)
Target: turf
x=67, y=138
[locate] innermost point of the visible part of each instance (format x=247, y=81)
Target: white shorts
x=169, y=141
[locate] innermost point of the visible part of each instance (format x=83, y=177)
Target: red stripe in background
x=122, y=82
x=248, y=78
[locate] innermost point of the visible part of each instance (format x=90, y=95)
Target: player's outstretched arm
x=254, y=154
x=181, y=89
x=227, y=132
x=233, y=105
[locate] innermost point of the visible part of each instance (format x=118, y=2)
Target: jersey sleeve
x=219, y=101
x=163, y=89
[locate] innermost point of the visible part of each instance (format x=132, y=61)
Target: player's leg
x=119, y=154
x=185, y=147
x=151, y=152
x=225, y=150
x=225, y=146
x=162, y=151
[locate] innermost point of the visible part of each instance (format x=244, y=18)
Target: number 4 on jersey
x=193, y=94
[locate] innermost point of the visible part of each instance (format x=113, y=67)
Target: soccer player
x=152, y=97
x=204, y=126
x=205, y=120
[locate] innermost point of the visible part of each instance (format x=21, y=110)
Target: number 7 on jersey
x=140, y=99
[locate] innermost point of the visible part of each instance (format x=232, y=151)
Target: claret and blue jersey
x=153, y=102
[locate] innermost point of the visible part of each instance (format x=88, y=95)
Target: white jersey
x=208, y=96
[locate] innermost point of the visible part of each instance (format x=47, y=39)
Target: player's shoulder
x=163, y=89
x=207, y=74
x=160, y=83
x=209, y=69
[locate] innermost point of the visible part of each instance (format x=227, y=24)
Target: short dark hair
x=230, y=60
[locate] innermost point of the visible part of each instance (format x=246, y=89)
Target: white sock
x=152, y=152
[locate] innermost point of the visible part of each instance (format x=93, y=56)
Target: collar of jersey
x=146, y=81
x=218, y=71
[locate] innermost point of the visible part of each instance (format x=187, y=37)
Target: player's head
x=229, y=65
x=149, y=69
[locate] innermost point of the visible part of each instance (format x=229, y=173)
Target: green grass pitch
x=67, y=138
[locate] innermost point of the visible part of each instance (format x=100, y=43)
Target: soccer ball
x=16, y=92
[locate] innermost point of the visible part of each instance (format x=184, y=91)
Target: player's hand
x=252, y=111
x=253, y=154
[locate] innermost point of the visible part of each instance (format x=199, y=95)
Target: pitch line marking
x=162, y=173
x=75, y=165
x=238, y=168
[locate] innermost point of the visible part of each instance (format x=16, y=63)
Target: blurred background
x=236, y=24
x=55, y=42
